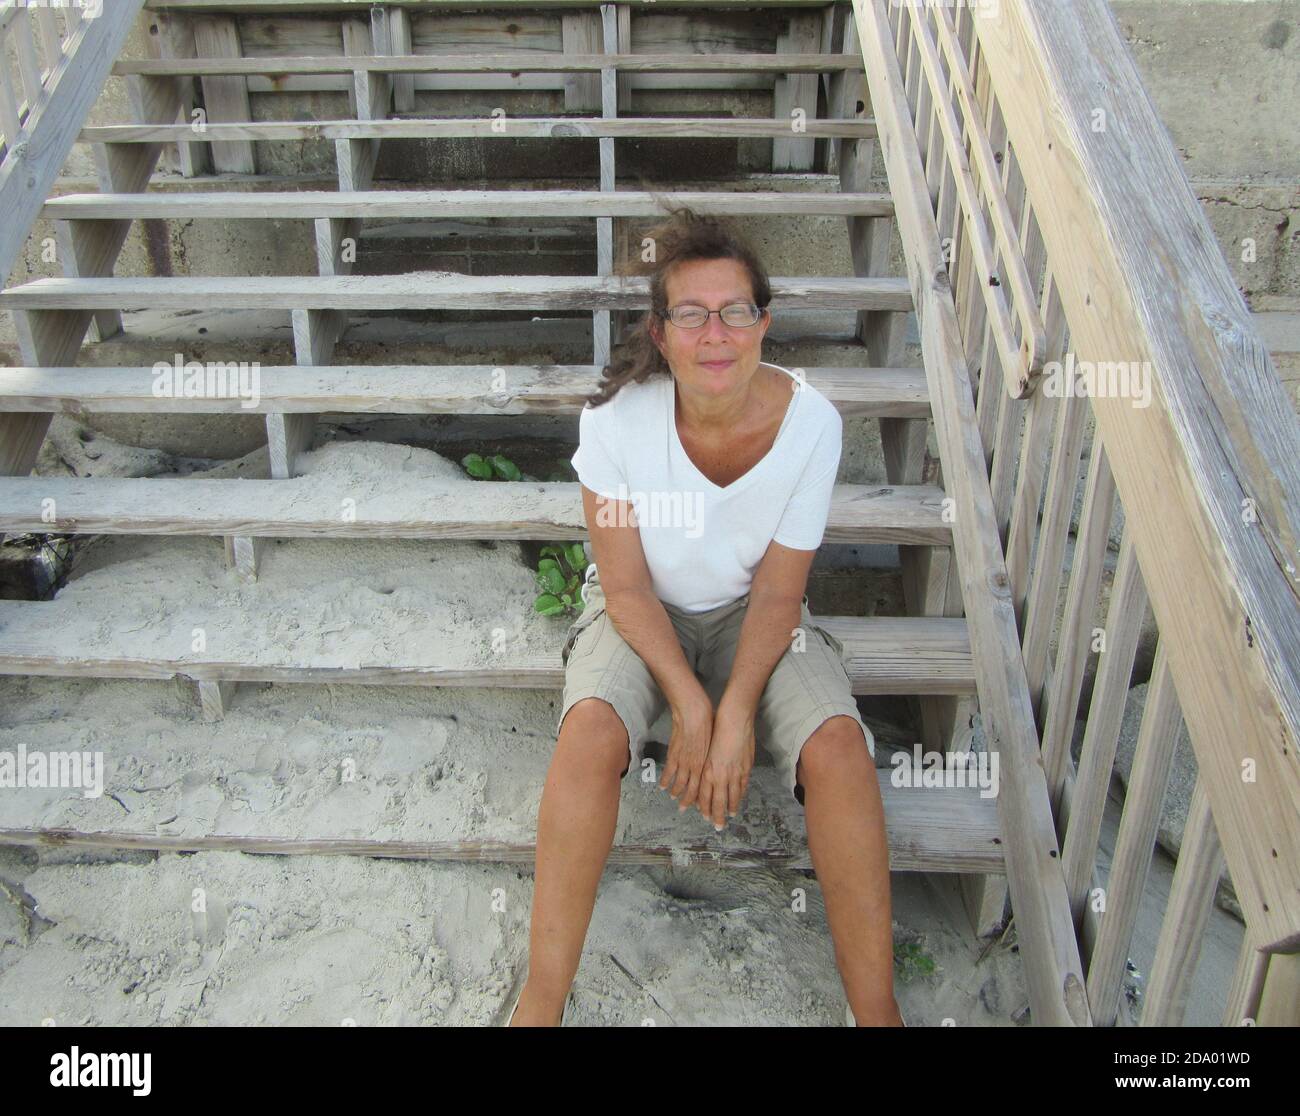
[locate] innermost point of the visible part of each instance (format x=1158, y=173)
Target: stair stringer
x=1045, y=929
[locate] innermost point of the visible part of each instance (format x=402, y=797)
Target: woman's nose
x=716, y=329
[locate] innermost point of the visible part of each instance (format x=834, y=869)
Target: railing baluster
x=51, y=46
x=28, y=66
x=9, y=122
x=1191, y=898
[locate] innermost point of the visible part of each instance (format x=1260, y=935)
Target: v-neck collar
x=745, y=478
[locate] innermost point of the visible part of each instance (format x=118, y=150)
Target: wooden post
x=175, y=39
x=225, y=97
x=794, y=97
x=595, y=32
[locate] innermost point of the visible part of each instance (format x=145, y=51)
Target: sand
x=230, y=938
x=322, y=939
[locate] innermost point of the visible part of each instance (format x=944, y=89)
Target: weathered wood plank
x=570, y=62
x=417, y=291
x=882, y=655
x=477, y=389
x=928, y=829
x=290, y=506
x=504, y=127
x=319, y=204
x=225, y=97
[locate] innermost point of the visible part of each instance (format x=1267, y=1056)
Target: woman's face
x=715, y=358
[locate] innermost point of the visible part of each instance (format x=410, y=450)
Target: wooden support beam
x=215, y=698
x=794, y=98
x=174, y=42
x=399, y=38
x=45, y=337
x=224, y=98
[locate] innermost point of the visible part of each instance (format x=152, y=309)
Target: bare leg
x=846, y=838
x=575, y=829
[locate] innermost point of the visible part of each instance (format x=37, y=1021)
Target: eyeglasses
x=692, y=317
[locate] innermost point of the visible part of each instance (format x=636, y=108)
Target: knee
x=594, y=733
x=834, y=749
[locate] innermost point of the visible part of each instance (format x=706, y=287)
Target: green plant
x=559, y=573
x=911, y=961
x=561, y=568
x=483, y=468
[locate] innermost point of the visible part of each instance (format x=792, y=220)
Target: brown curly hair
x=684, y=235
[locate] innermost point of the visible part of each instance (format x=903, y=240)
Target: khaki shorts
x=805, y=688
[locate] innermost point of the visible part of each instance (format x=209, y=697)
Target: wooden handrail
x=1209, y=473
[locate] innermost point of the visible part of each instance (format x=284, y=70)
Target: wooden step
x=417, y=291
x=306, y=204
x=496, y=62
x=407, y=508
x=466, y=389
x=62, y=638
x=929, y=829
x=485, y=127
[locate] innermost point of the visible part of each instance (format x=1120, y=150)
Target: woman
x=706, y=484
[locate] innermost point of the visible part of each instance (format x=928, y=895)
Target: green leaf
x=476, y=466
x=505, y=467
x=548, y=605
x=554, y=581
x=548, y=564
x=578, y=557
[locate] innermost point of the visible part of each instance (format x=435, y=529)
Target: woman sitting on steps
x=706, y=485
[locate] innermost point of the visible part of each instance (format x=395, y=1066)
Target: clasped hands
x=710, y=756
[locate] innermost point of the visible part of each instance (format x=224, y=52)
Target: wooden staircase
x=838, y=93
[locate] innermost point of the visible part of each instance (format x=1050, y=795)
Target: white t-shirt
x=701, y=542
